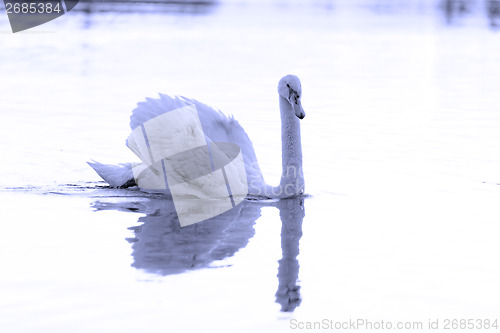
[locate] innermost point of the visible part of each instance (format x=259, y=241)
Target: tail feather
x=119, y=175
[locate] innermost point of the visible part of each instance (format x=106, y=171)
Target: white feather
x=115, y=175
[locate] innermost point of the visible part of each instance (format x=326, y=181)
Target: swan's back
x=217, y=127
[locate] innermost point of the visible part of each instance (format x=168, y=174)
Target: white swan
x=219, y=128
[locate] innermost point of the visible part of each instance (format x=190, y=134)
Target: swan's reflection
x=292, y=214
x=162, y=246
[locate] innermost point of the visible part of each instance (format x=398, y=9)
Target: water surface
x=401, y=160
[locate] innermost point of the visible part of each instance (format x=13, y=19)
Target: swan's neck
x=292, y=177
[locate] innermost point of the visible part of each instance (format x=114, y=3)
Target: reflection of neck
x=291, y=214
x=292, y=179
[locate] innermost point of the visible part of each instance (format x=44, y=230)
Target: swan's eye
x=288, y=85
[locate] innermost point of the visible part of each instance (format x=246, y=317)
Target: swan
x=218, y=127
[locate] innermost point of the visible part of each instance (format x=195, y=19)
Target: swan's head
x=290, y=89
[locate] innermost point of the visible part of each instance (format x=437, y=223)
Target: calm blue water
x=401, y=161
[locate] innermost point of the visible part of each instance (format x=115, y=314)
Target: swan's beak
x=297, y=107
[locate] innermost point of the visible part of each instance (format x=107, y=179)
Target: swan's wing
x=153, y=107
x=216, y=126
